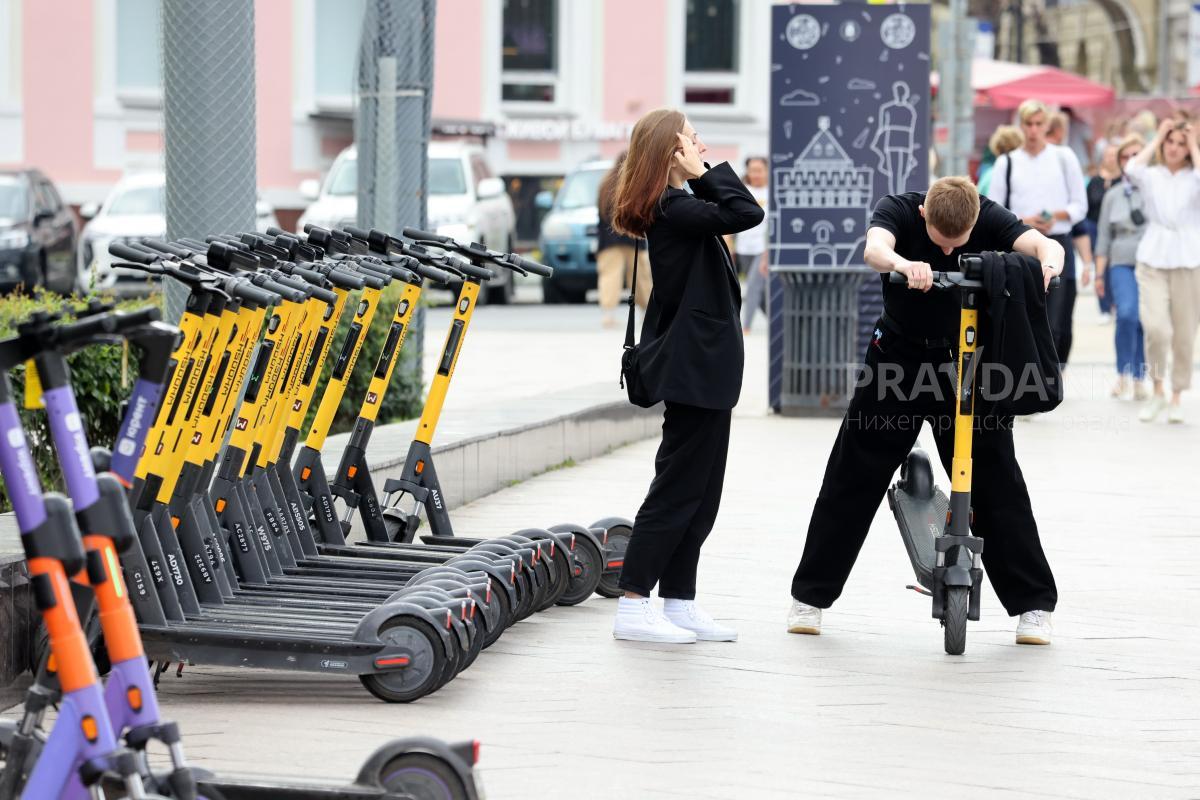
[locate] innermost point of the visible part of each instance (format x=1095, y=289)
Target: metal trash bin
x=824, y=311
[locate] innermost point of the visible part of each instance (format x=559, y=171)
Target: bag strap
x=1008, y=181
x=637, y=246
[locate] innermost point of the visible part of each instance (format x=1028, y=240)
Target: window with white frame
x=711, y=57
x=139, y=30
x=529, y=51
x=338, y=26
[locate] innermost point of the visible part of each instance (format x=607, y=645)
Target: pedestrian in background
x=614, y=255
x=1005, y=139
x=1044, y=187
x=1119, y=230
x=1168, y=260
x=1108, y=174
x=751, y=246
x=1083, y=235
x=690, y=357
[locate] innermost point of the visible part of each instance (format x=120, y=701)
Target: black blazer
x=691, y=349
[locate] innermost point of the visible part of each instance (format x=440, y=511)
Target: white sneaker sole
x=717, y=637
x=811, y=630
x=1032, y=638
x=659, y=638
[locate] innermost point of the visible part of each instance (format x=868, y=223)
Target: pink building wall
x=58, y=83
x=458, y=60
x=57, y=113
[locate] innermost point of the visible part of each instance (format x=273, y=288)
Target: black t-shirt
x=934, y=314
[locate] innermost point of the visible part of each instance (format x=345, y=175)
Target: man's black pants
x=681, y=506
x=903, y=387
x=1060, y=304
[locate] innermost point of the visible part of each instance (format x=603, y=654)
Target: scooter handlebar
x=166, y=247
x=418, y=235
x=468, y=269
x=133, y=256
x=950, y=278
x=250, y=293
x=529, y=265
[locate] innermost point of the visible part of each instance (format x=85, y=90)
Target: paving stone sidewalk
x=872, y=706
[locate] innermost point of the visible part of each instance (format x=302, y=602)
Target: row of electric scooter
x=227, y=545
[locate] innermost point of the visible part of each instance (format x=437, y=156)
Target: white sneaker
x=1175, y=415
x=689, y=616
x=803, y=618
x=639, y=620
x=1154, y=406
x=1034, y=628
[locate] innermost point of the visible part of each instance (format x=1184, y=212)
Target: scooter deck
x=921, y=520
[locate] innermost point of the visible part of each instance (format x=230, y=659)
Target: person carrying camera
x=915, y=338
x=1168, y=261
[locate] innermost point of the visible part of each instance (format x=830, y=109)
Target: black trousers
x=1060, y=304
x=904, y=387
x=681, y=506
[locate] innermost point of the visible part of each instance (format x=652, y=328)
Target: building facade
x=1138, y=46
x=546, y=84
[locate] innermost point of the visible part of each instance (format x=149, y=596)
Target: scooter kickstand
x=919, y=590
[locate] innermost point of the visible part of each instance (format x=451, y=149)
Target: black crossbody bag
x=631, y=375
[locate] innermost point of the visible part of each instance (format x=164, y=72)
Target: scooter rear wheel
x=954, y=621
x=615, y=544
x=422, y=775
x=426, y=665
x=589, y=560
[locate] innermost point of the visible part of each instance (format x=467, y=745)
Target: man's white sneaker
x=689, y=616
x=1154, y=406
x=803, y=618
x=1175, y=414
x=1034, y=628
x=639, y=620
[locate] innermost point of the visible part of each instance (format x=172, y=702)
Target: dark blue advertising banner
x=850, y=120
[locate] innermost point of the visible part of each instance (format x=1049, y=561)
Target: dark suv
x=37, y=233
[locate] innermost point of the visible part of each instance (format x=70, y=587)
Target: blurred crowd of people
x=1130, y=224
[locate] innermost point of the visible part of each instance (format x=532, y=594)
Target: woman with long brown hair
x=614, y=253
x=690, y=358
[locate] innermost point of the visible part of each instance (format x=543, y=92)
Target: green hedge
x=102, y=376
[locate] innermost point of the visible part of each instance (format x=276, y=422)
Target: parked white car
x=466, y=201
x=134, y=209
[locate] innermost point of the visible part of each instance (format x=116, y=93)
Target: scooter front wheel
x=424, y=776
x=427, y=662
x=954, y=620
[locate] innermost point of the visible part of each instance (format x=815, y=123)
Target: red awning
x=1005, y=85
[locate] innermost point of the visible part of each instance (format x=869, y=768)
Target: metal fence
x=822, y=335
x=208, y=123
x=391, y=130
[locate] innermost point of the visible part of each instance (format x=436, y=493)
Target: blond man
x=1042, y=183
x=908, y=380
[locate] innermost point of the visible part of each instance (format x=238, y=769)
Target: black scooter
x=936, y=529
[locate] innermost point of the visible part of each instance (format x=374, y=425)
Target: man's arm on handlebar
x=1048, y=252
x=881, y=254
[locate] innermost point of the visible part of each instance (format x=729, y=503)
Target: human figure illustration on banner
x=895, y=138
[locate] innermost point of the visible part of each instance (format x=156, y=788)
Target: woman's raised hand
x=687, y=158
